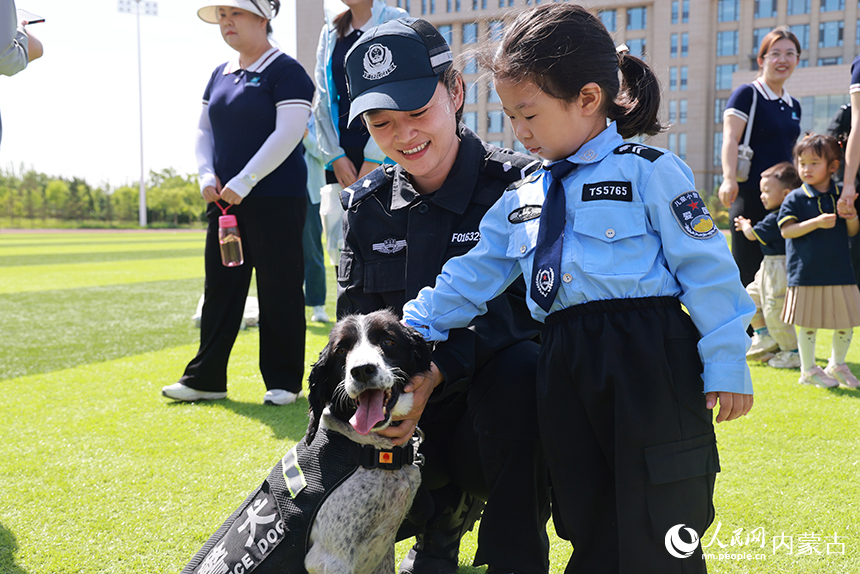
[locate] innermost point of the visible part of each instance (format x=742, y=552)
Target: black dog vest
x=268, y=533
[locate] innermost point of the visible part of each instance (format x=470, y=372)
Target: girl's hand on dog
x=421, y=386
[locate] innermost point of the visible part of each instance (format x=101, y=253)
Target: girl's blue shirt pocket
x=611, y=238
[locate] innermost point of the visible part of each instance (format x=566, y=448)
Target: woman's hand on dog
x=421, y=386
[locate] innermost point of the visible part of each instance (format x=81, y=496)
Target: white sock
x=841, y=342
x=806, y=347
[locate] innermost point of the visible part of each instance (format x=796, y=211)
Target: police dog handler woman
x=402, y=223
x=255, y=110
x=621, y=241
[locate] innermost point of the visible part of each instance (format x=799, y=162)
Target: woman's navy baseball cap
x=395, y=66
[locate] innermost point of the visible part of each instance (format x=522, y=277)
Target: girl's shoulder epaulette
x=508, y=165
x=366, y=186
x=533, y=176
x=649, y=153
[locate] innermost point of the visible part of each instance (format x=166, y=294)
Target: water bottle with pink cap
x=228, y=237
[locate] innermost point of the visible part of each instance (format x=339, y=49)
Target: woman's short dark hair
x=561, y=48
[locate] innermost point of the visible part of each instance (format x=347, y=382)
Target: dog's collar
x=395, y=458
x=387, y=459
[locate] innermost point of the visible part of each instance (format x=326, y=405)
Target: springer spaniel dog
x=335, y=501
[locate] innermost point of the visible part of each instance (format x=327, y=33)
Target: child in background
x=821, y=290
x=611, y=238
x=768, y=288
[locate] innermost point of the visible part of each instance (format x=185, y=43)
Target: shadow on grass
x=286, y=422
x=8, y=547
x=844, y=392
x=321, y=329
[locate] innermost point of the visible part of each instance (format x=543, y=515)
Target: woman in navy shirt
x=255, y=109
x=776, y=126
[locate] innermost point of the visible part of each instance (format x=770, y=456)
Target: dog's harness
x=269, y=532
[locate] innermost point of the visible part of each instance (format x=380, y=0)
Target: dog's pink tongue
x=369, y=411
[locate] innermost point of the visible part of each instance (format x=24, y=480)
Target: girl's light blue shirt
x=629, y=232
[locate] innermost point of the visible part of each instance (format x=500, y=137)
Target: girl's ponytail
x=638, y=103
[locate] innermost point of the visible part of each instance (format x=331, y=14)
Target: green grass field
x=100, y=474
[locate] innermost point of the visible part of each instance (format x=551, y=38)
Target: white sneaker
x=843, y=374
x=319, y=314
x=761, y=347
x=817, y=377
x=785, y=360
x=278, y=397
x=180, y=392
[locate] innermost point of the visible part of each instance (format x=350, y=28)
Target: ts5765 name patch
x=614, y=190
x=693, y=216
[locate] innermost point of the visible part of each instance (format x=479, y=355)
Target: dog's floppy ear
x=317, y=380
x=421, y=350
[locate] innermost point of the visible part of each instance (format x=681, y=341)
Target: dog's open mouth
x=372, y=407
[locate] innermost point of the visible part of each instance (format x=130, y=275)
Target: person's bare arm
x=733, y=130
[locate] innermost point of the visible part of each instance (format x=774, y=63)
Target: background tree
x=56, y=197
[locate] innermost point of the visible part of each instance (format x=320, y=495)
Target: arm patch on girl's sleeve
x=692, y=215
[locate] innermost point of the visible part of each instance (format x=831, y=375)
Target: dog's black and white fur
x=334, y=503
x=368, y=360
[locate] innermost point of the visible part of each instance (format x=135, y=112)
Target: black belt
x=611, y=306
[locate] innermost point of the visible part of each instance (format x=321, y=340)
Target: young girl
x=611, y=239
x=821, y=290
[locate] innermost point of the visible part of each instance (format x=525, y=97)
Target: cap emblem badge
x=378, y=62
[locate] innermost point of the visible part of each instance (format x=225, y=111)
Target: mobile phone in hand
x=29, y=17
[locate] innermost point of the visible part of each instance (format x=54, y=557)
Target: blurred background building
x=701, y=50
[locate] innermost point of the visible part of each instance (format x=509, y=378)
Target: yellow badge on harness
x=386, y=457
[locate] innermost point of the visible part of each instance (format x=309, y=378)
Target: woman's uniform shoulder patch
x=693, y=216
x=366, y=186
x=508, y=165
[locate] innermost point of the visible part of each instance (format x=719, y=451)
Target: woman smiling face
x=424, y=142
x=779, y=62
